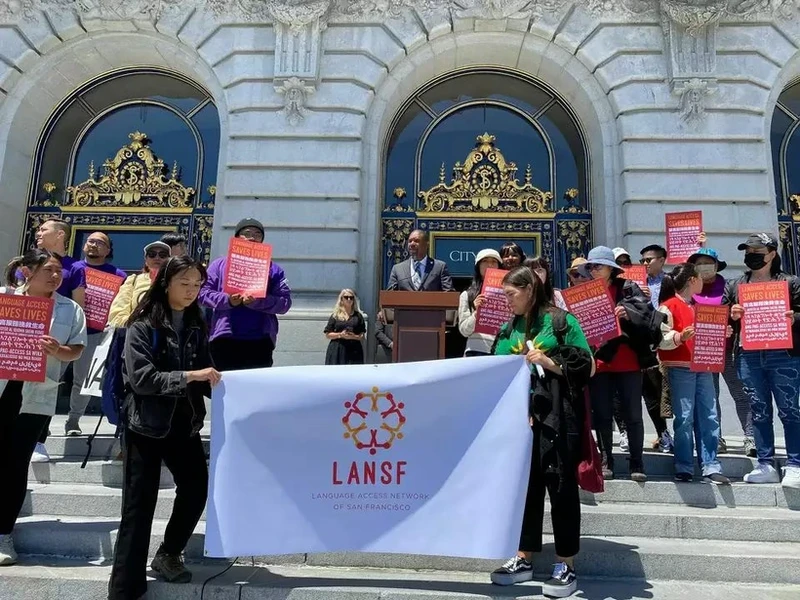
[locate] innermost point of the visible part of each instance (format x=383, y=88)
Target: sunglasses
x=647, y=261
x=157, y=254
x=594, y=267
x=348, y=298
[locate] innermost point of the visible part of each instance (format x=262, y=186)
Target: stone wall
x=676, y=104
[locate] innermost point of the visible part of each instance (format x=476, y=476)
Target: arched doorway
x=785, y=142
x=133, y=153
x=483, y=156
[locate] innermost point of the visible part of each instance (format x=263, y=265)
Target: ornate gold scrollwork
x=573, y=235
x=396, y=232
x=795, y=205
x=133, y=180
x=486, y=183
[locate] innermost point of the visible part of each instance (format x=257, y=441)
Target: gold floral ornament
x=135, y=179
x=486, y=183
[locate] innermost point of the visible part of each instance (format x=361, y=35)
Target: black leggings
x=628, y=386
x=18, y=436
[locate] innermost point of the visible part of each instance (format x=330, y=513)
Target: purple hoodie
x=712, y=292
x=252, y=322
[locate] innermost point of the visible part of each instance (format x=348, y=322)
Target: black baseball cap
x=249, y=222
x=653, y=248
x=760, y=240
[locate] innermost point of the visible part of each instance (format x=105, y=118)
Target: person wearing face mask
x=693, y=394
x=709, y=266
x=478, y=344
x=769, y=375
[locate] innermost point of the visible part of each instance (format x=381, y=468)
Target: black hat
x=654, y=248
x=244, y=223
x=760, y=240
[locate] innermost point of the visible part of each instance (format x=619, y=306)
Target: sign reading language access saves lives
x=710, y=338
x=683, y=230
x=23, y=322
x=494, y=312
x=594, y=309
x=247, y=271
x=101, y=288
x=764, y=324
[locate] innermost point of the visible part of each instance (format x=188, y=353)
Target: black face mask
x=755, y=262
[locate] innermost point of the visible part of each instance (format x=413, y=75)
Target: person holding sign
x=693, y=395
x=480, y=343
x=767, y=373
x=244, y=329
x=620, y=361
x=26, y=406
x=94, y=294
x=167, y=371
x=557, y=408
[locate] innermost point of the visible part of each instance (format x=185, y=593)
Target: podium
x=420, y=321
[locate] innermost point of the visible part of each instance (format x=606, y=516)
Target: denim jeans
x=768, y=374
x=694, y=405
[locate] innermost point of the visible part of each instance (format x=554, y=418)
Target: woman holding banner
x=167, y=368
x=561, y=366
x=26, y=407
x=478, y=344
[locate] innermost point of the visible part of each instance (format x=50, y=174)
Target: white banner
x=93, y=384
x=416, y=458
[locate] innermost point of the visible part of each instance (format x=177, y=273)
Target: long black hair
x=677, y=280
x=540, y=263
x=154, y=306
x=512, y=248
x=522, y=277
x=33, y=259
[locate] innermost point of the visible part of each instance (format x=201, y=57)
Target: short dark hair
x=173, y=238
x=423, y=233
x=61, y=224
x=654, y=248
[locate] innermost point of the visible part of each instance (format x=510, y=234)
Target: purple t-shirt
x=712, y=292
x=77, y=278
x=66, y=266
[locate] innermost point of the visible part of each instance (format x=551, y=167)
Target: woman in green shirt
x=561, y=366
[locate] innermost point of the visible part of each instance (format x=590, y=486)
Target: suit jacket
x=436, y=279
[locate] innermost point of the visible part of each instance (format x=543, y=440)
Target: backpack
x=113, y=388
x=590, y=467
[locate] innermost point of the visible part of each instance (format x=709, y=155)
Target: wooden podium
x=420, y=320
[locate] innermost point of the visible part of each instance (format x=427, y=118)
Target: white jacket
x=476, y=342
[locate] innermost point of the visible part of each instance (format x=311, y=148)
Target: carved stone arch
x=53, y=76
x=553, y=65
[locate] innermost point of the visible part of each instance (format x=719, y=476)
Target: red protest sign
x=683, y=230
x=710, y=338
x=101, y=288
x=23, y=322
x=594, y=309
x=247, y=271
x=494, y=312
x=764, y=324
x=636, y=273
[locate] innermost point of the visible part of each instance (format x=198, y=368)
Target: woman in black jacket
x=167, y=372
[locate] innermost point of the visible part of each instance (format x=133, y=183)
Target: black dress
x=345, y=352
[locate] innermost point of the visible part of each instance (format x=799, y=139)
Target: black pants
x=18, y=436
x=230, y=354
x=565, y=509
x=628, y=386
x=469, y=353
x=652, y=390
x=184, y=457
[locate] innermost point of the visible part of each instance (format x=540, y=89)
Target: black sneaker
x=171, y=568
x=683, y=477
x=562, y=584
x=717, y=479
x=515, y=570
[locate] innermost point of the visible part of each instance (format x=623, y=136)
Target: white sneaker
x=8, y=556
x=624, y=446
x=763, y=473
x=40, y=454
x=791, y=477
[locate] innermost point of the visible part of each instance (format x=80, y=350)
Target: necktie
x=416, y=278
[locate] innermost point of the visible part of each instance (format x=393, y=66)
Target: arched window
x=170, y=116
x=430, y=144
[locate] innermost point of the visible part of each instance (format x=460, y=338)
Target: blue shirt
x=654, y=283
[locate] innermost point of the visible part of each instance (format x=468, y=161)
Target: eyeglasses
x=348, y=298
x=647, y=261
x=157, y=254
x=93, y=242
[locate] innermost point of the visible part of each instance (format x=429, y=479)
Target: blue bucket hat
x=710, y=253
x=600, y=255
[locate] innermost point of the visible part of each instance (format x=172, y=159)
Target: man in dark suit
x=420, y=272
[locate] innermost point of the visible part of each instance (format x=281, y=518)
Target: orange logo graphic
x=373, y=420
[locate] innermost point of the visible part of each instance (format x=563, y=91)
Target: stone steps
x=761, y=522
x=69, y=580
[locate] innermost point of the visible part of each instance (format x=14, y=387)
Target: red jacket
x=680, y=315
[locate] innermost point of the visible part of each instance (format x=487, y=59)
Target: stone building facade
x=672, y=104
